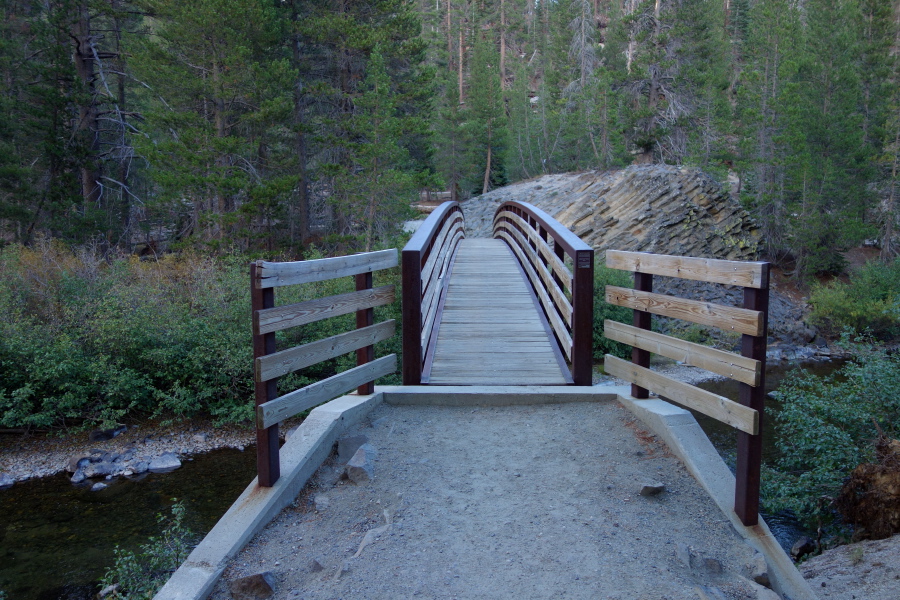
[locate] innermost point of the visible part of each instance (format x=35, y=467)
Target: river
x=57, y=539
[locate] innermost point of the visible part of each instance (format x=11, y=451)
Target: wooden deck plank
x=491, y=332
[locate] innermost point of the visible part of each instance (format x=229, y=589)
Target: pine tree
x=487, y=121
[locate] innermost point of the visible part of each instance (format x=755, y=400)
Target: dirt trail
x=504, y=502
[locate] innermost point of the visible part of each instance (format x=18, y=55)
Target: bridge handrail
x=566, y=295
x=748, y=368
x=425, y=262
x=270, y=364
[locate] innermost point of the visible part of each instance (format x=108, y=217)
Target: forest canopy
x=277, y=125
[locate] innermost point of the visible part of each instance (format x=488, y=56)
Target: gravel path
x=504, y=502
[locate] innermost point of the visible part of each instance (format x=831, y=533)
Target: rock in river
x=165, y=463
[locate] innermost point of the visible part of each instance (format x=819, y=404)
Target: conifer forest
x=278, y=125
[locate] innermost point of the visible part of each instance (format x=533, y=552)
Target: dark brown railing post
x=643, y=320
x=749, y=447
x=365, y=318
x=267, y=451
x=411, y=267
x=583, y=317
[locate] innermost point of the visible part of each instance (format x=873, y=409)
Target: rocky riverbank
x=98, y=456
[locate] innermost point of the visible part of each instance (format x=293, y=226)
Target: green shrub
x=604, y=276
x=868, y=302
x=86, y=341
x=827, y=427
x=139, y=575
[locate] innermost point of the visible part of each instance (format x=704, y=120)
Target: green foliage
x=604, y=276
x=828, y=427
x=869, y=302
x=85, y=341
x=139, y=575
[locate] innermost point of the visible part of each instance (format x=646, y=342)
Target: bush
x=828, y=427
x=870, y=301
x=139, y=575
x=87, y=341
x=604, y=276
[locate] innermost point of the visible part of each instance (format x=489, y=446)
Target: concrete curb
x=495, y=395
x=301, y=455
x=683, y=435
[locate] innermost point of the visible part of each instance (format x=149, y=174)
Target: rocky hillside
x=650, y=208
x=661, y=209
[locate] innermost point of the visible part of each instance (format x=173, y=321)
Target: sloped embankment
x=651, y=208
x=661, y=209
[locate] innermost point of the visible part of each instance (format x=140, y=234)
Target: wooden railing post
x=365, y=318
x=749, y=447
x=642, y=320
x=583, y=318
x=267, y=451
x=411, y=266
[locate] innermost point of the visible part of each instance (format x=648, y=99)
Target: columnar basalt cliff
x=650, y=208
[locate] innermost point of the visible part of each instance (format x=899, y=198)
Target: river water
x=57, y=539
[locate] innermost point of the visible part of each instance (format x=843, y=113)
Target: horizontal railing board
x=288, y=405
x=556, y=322
x=733, y=366
x=727, y=318
x=271, y=274
x=454, y=224
x=302, y=313
x=557, y=264
x=559, y=297
x=722, y=409
x=728, y=272
x=568, y=240
x=287, y=361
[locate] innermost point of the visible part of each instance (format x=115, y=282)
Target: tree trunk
x=86, y=128
x=301, y=209
x=460, y=62
x=502, y=44
x=487, y=169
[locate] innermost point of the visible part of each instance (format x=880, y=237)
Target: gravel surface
x=504, y=502
x=862, y=571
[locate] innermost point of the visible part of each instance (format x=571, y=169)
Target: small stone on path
x=652, y=489
x=98, y=486
x=322, y=501
x=348, y=446
x=360, y=468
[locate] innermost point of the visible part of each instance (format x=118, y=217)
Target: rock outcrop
x=661, y=209
x=649, y=208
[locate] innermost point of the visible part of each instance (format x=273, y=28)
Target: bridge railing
x=426, y=262
x=270, y=363
x=748, y=368
x=545, y=249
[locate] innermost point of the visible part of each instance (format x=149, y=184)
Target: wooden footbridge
x=514, y=310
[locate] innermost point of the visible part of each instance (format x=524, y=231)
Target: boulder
x=164, y=463
x=6, y=481
x=253, y=587
x=101, y=435
x=870, y=498
x=78, y=461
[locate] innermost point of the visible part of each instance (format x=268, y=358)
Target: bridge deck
x=492, y=331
